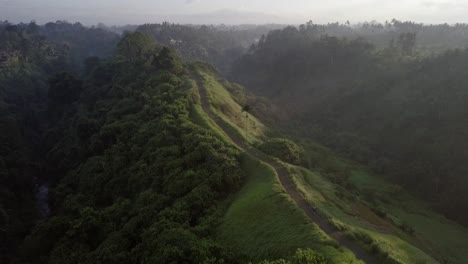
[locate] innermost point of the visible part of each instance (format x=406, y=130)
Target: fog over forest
x=233, y=12
x=216, y=131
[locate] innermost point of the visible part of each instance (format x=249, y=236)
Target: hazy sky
x=233, y=11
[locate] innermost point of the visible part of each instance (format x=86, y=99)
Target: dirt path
x=286, y=182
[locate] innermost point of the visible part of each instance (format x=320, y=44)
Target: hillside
x=396, y=110
x=219, y=45
x=136, y=175
x=144, y=157
x=401, y=230
x=27, y=60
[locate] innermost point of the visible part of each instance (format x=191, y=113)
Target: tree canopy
x=398, y=110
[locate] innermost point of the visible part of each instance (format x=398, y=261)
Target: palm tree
x=246, y=109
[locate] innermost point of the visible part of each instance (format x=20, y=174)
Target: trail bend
x=286, y=182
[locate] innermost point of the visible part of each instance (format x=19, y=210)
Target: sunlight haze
x=234, y=131
x=233, y=12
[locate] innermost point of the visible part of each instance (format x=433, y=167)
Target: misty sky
x=233, y=11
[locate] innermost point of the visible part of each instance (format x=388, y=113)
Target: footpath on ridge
x=286, y=182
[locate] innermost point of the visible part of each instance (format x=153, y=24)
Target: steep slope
x=27, y=60
x=285, y=181
x=139, y=176
x=360, y=205
x=140, y=182
x=400, y=112
x=30, y=55
x=151, y=160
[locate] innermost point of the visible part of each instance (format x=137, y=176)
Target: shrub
x=308, y=256
x=302, y=256
x=379, y=212
x=407, y=228
x=284, y=149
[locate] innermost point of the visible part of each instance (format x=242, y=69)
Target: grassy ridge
x=358, y=220
x=231, y=112
x=197, y=115
x=262, y=221
x=374, y=211
x=370, y=209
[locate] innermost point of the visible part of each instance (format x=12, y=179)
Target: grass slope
x=230, y=111
x=262, y=222
x=357, y=219
x=374, y=211
x=432, y=232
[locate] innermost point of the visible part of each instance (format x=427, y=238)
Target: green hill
x=401, y=229
x=151, y=159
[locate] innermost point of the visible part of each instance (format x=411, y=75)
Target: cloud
x=191, y=1
x=226, y=16
x=444, y=4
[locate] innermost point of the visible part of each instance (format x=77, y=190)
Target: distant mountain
x=227, y=16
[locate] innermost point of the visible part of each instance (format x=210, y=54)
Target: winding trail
x=286, y=182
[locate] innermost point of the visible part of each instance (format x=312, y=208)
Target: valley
x=265, y=144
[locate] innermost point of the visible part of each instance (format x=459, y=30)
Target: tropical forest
x=246, y=135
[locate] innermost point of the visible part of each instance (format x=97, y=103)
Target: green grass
x=198, y=116
x=354, y=216
x=263, y=223
x=433, y=232
x=230, y=112
x=355, y=208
